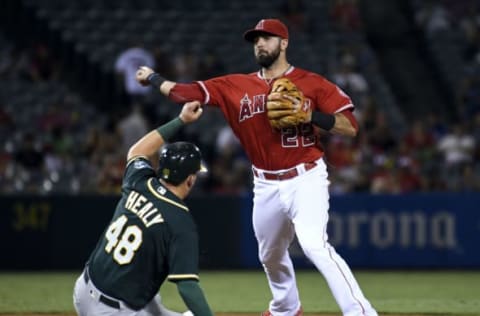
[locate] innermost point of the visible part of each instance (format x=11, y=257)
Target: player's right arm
x=192, y=295
x=177, y=92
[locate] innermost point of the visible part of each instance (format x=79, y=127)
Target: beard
x=265, y=59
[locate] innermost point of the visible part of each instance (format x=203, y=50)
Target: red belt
x=283, y=175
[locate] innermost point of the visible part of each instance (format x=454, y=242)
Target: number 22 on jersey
x=298, y=136
x=123, y=242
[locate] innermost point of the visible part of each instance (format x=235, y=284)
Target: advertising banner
x=398, y=231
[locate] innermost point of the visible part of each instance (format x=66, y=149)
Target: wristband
x=323, y=120
x=155, y=80
x=169, y=129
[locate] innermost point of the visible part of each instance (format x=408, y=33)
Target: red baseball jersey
x=242, y=99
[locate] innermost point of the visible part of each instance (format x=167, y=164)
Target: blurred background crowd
x=70, y=108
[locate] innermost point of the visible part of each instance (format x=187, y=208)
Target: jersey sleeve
x=207, y=92
x=138, y=168
x=183, y=256
x=332, y=99
x=214, y=89
x=185, y=92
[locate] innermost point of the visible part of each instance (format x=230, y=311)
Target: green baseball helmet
x=179, y=160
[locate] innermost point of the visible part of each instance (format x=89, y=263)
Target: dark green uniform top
x=151, y=237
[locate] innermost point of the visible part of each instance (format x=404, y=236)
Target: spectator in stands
x=6, y=172
x=367, y=114
x=364, y=157
x=342, y=157
x=381, y=137
x=54, y=162
x=29, y=154
x=384, y=179
x=408, y=168
x=458, y=149
x=408, y=180
x=350, y=80
x=426, y=142
x=55, y=116
x=230, y=167
x=91, y=141
x=457, y=146
x=436, y=125
x=433, y=17
x=109, y=179
x=105, y=155
x=419, y=142
x=475, y=125
x=127, y=64
x=91, y=158
x=62, y=142
x=132, y=127
x=470, y=179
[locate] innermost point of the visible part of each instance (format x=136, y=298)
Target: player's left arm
x=345, y=124
x=193, y=296
x=334, y=111
x=341, y=123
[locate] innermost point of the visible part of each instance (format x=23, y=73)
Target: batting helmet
x=178, y=161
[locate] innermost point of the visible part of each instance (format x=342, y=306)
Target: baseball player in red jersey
x=290, y=176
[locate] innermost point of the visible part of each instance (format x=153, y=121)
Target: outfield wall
x=401, y=231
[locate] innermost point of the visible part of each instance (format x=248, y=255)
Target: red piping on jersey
x=207, y=94
x=345, y=107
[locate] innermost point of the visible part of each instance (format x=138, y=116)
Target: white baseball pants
x=300, y=206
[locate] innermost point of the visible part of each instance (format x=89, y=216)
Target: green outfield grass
x=441, y=293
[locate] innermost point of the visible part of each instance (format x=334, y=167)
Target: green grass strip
x=437, y=293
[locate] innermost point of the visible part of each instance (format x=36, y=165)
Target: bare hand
x=296, y=102
x=142, y=74
x=298, y=105
x=281, y=97
x=191, y=111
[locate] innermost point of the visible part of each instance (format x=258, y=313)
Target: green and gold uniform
x=149, y=222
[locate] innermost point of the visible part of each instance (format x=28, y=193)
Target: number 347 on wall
x=32, y=216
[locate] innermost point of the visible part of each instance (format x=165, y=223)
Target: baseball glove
x=286, y=106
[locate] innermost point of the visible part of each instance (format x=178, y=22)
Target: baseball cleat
x=298, y=313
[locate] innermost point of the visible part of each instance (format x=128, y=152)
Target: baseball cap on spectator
x=269, y=26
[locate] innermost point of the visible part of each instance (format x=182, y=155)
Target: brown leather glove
x=286, y=106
